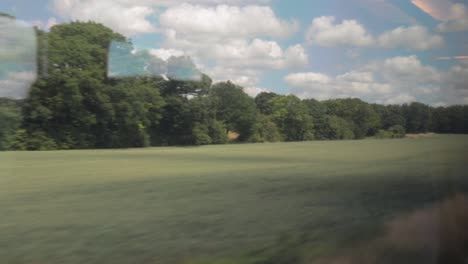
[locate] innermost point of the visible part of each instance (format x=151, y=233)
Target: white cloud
x=165, y=54
x=243, y=77
x=325, y=32
x=406, y=69
x=168, y=3
x=226, y=21
x=229, y=42
x=400, y=99
x=414, y=37
x=354, y=76
x=394, y=80
x=254, y=91
x=122, y=16
x=307, y=78
x=296, y=56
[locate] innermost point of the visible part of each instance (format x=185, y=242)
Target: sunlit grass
x=229, y=202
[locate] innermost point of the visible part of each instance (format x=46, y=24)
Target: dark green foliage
x=397, y=131
x=292, y=118
x=176, y=125
x=200, y=134
x=334, y=127
x=262, y=100
x=235, y=107
x=10, y=120
x=365, y=119
x=136, y=109
x=265, y=130
x=418, y=117
x=453, y=119
x=36, y=140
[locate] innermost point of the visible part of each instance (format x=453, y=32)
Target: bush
x=32, y=141
x=217, y=132
x=397, y=131
x=383, y=134
x=334, y=127
x=200, y=135
x=265, y=130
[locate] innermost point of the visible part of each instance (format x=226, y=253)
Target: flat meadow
x=303, y=202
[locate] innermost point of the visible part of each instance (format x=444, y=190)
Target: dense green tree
x=334, y=128
x=136, y=111
x=203, y=114
x=318, y=111
x=265, y=130
x=292, y=117
x=75, y=104
x=418, y=117
x=235, y=108
x=10, y=120
x=263, y=102
x=452, y=119
x=175, y=127
x=365, y=119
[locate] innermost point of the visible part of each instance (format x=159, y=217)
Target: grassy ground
x=263, y=203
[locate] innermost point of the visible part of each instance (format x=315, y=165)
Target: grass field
x=262, y=203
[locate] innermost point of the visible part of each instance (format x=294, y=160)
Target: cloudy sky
x=385, y=51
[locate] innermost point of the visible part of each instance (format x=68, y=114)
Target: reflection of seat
x=125, y=61
x=18, y=51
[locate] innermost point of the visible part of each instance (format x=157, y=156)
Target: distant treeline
x=75, y=105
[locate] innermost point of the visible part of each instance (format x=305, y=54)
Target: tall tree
x=235, y=108
x=292, y=117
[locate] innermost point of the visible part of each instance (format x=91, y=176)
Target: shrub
x=32, y=141
x=200, y=135
x=398, y=131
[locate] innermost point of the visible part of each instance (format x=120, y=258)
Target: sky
x=382, y=51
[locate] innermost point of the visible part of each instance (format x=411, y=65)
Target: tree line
x=74, y=104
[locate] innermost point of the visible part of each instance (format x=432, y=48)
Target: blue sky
x=385, y=51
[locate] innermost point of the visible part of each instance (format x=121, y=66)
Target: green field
x=260, y=203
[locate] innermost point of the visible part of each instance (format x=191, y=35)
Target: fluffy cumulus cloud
x=453, y=15
x=129, y=17
x=241, y=39
x=165, y=54
x=414, y=37
x=392, y=81
x=231, y=35
x=326, y=31
x=122, y=16
x=226, y=21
